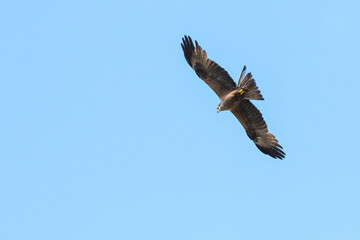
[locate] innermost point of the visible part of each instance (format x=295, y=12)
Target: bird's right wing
x=253, y=122
x=209, y=71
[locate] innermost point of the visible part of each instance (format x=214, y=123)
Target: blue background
x=107, y=133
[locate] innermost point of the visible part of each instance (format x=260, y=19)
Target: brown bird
x=235, y=98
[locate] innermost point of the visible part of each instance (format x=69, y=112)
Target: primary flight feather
x=235, y=98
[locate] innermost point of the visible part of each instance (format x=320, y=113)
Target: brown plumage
x=234, y=97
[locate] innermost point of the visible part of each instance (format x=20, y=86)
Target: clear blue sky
x=107, y=133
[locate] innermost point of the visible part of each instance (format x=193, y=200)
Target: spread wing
x=251, y=119
x=209, y=71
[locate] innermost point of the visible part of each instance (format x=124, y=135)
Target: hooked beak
x=217, y=110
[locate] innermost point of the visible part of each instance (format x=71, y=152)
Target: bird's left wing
x=209, y=71
x=253, y=122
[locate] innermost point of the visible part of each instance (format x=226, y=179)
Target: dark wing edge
x=209, y=71
x=255, y=126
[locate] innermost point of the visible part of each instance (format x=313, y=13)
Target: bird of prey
x=235, y=98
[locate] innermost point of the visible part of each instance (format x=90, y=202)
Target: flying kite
x=235, y=98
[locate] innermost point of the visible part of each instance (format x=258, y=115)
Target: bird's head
x=219, y=108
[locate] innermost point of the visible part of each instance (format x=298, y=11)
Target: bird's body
x=235, y=98
x=231, y=100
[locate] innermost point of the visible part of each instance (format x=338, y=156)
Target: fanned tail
x=248, y=84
